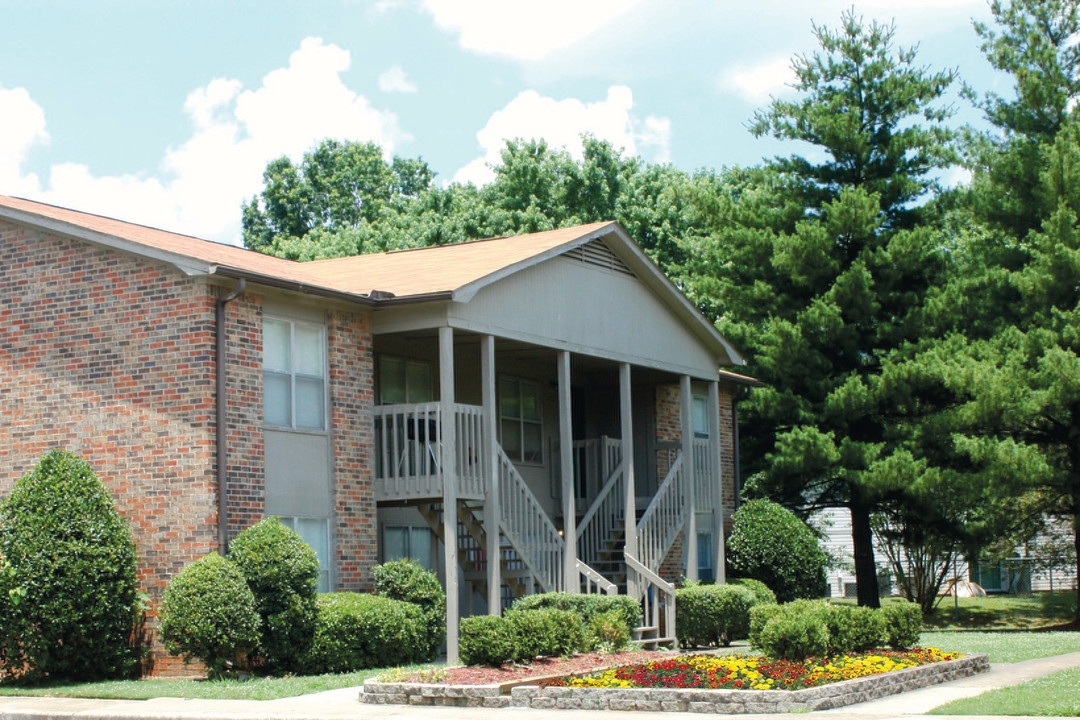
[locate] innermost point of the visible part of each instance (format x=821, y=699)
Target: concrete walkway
x=345, y=704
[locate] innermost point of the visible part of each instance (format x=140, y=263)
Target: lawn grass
x=1057, y=694
x=996, y=612
x=262, y=688
x=1004, y=647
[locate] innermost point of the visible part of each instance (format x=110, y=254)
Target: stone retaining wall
x=825, y=697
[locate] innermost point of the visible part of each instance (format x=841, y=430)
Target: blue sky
x=166, y=112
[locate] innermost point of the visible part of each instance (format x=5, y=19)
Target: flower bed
x=835, y=693
x=741, y=672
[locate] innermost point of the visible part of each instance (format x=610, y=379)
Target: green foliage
x=770, y=544
x=903, y=623
x=547, y=632
x=209, y=613
x=854, y=629
x=282, y=572
x=791, y=636
x=406, y=580
x=762, y=594
x=760, y=615
x=356, y=631
x=607, y=632
x=485, y=640
x=707, y=615
x=67, y=577
x=586, y=606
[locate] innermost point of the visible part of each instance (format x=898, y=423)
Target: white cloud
x=561, y=123
x=523, y=30
x=200, y=184
x=758, y=83
x=395, y=80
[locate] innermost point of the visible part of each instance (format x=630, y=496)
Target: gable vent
x=599, y=254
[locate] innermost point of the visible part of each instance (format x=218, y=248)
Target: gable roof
x=447, y=272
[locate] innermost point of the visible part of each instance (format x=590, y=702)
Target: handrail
x=648, y=574
x=593, y=578
x=528, y=527
x=664, y=518
x=651, y=606
x=611, y=482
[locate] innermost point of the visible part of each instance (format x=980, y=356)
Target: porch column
x=571, y=584
x=687, y=421
x=626, y=424
x=718, y=512
x=492, y=509
x=448, y=467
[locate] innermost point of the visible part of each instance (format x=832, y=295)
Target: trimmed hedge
x=67, y=579
x=607, y=631
x=853, y=629
x=282, y=572
x=209, y=613
x=762, y=594
x=485, y=640
x=548, y=632
x=794, y=637
x=903, y=624
x=356, y=631
x=587, y=606
x=707, y=615
x=407, y=581
x=769, y=543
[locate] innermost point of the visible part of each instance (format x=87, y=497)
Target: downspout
x=222, y=419
x=735, y=438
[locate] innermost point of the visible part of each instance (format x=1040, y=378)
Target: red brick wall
x=352, y=396
x=111, y=357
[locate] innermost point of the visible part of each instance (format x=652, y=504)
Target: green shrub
x=485, y=640
x=707, y=615
x=903, y=624
x=209, y=613
x=587, y=606
x=770, y=544
x=854, y=629
x=607, y=632
x=794, y=637
x=759, y=616
x=356, y=631
x=549, y=632
x=407, y=581
x=68, y=577
x=762, y=594
x=282, y=572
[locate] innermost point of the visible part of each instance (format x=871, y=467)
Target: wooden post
x=566, y=470
x=492, y=509
x=448, y=466
x=686, y=407
x=626, y=423
x=719, y=559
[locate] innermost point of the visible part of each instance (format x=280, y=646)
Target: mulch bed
x=545, y=666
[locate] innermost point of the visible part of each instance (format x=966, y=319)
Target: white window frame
x=522, y=421
x=428, y=562
x=699, y=401
x=292, y=374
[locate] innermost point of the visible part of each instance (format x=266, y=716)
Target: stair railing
x=604, y=520
x=664, y=518
x=528, y=527
x=657, y=600
x=595, y=583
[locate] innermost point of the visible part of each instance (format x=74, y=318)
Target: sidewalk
x=344, y=703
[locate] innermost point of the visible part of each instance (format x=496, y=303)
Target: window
x=404, y=381
x=403, y=541
x=294, y=374
x=316, y=533
x=700, y=414
x=519, y=420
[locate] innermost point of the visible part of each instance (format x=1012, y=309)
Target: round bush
x=607, y=632
x=356, y=631
x=208, y=613
x=282, y=572
x=485, y=640
x=854, y=629
x=549, y=632
x=759, y=616
x=68, y=577
x=795, y=637
x=707, y=615
x=769, y=543
x=762, y=594
x=407, y=581
x=903, y=624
